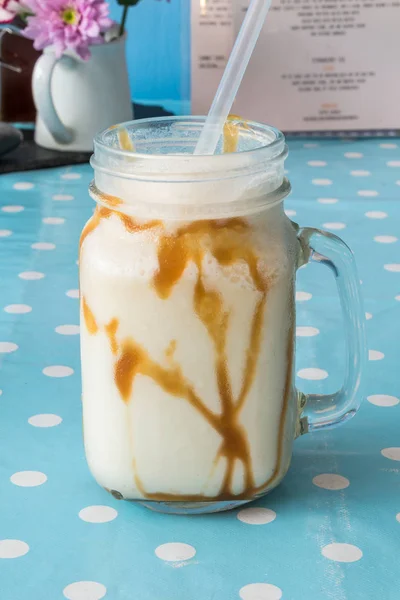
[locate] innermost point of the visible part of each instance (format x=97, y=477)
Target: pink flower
x=9, y=9
x=67, y=24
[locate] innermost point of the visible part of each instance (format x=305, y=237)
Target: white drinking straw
x=232, y=77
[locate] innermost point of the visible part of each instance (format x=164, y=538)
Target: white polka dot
x=1, y=392
x=58, y=371
x=62, y=197
x=397, y=298
x=368, y=316
x=5, y=232
x=306, y=331
x=45, y=420
x=68, y=329
x=23, y=185
x=375, y=355
x=312, y=373
x=260, y=591
x=398, y=517
x=310, y=145
x=71, y=176
x=327, y=200
x=13, y=209
x=256, y=516
x=85, y=590
x=376, y=214
x=98, y=514
x=322, y=182
x=398, y=182
x=316, y=163
x=368, y=193
x=353, y=155
x=383, y=400
x=175, y=551
x=31, y=275
x=43, y=246
x=393, y=163
x=303, y=296
x=13, y=548
x=72, y=293
x=290, y=213
x=28, y=478
x=392, y=453
x=7, y=347
x=385, y=239
x=342, y=552
x=334, y=225
x=393, y=267
x=360, y=173
x=18, y=309
x=53, y=220
x=388, y=146
x=330, y=481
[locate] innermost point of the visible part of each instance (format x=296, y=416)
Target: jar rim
x=171, y=180
x=268, y=145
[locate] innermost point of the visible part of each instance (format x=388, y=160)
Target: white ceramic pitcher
x=75, y=99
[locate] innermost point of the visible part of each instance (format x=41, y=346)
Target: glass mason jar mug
x=187, y=277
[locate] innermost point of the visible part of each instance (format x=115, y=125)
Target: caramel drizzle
x=111, y=331
x=228, y=242
x=170, y=351
x=250, y=492
x=134, y=360
x=125, y=141
x=90, y=321
x=231, y=133
x=286, y=395
x=99, y=214
x=129, y=223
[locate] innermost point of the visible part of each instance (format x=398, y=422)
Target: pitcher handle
x=330, y=410
x=42, y=94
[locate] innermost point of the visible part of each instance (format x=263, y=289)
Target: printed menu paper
x=319, y=65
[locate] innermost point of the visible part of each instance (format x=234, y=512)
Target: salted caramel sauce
x=170, y=351
x=229, y=243
x=111, y=331
x=134, y=360
x=125, y=141
x=111, y=200
x=286, y=398
x=129, y=223
x=100, y=213
x=88, y=316
x=231, y=133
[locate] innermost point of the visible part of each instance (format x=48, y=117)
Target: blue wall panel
x=158, y=52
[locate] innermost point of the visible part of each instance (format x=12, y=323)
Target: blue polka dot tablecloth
x=331, y=531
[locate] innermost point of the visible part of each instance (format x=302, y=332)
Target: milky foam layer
x=217, y=198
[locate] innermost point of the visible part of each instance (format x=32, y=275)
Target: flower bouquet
x=10, y=9
x=80, y=83
x=66, y=24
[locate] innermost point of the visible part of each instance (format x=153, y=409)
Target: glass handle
x=323, y=411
